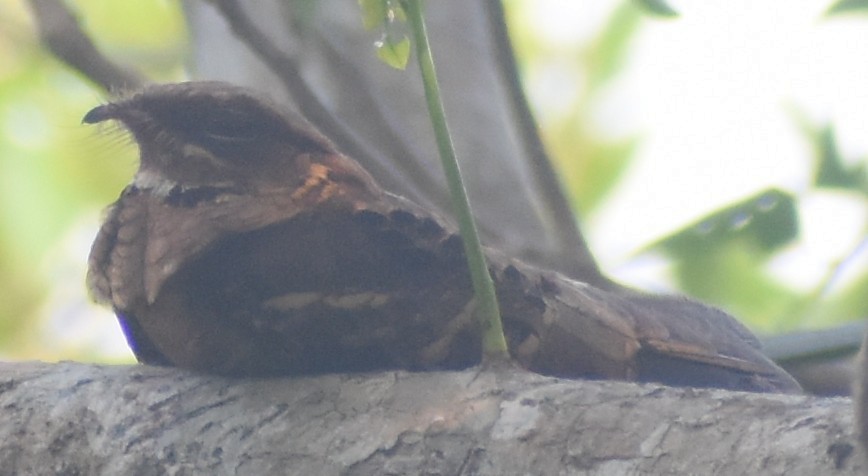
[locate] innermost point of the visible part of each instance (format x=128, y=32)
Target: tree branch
x=61, y=33
x=81, y=419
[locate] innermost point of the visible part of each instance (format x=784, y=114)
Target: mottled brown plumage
x=247, y=245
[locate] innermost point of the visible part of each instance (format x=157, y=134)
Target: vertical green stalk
x=487, y=309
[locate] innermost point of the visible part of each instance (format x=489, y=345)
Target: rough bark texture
x=73, y=418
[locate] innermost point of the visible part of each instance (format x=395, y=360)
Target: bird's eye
x=229, y=128
x=228, y=131
x=236, y=128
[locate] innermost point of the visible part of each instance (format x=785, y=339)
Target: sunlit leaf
x=607, y=53
x=397, y=13
x=373, y=13
x=848, y=6
x=394, y=47
x=590, y=165
x=730, y=276
x=847, y=303
x=394, y=53
x=53, y=170
x=376, y=13
x=591, y=174
x=658, y=8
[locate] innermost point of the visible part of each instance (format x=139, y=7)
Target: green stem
x=487, y=309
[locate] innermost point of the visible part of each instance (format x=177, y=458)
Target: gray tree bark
x=71, y=418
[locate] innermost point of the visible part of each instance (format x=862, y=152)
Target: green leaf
x=394, y=53
x=394, y=47
x=848, y=302
x=591, y=175
x=658, y=8
x=765, y=222
x=376, y=13
x=373, y=13
x=733, y=277
x=832, y=172
x=605, y=56
x=848, y=6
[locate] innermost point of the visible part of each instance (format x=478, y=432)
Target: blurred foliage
x=848, y=6
x=832, y=171
x=589, y=165
x=658, y=8
x=54, y=172
x=722, y=257
x=763, y=223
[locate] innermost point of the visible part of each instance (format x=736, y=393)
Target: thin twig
x=494, y=347
x=61, y=33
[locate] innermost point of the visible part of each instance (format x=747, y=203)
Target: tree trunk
x=73, y=418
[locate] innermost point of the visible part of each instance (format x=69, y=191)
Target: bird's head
x=210, y=133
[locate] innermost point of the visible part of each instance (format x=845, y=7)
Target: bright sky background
x=711, y=95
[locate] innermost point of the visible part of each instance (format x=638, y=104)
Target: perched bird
x=247, y=245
